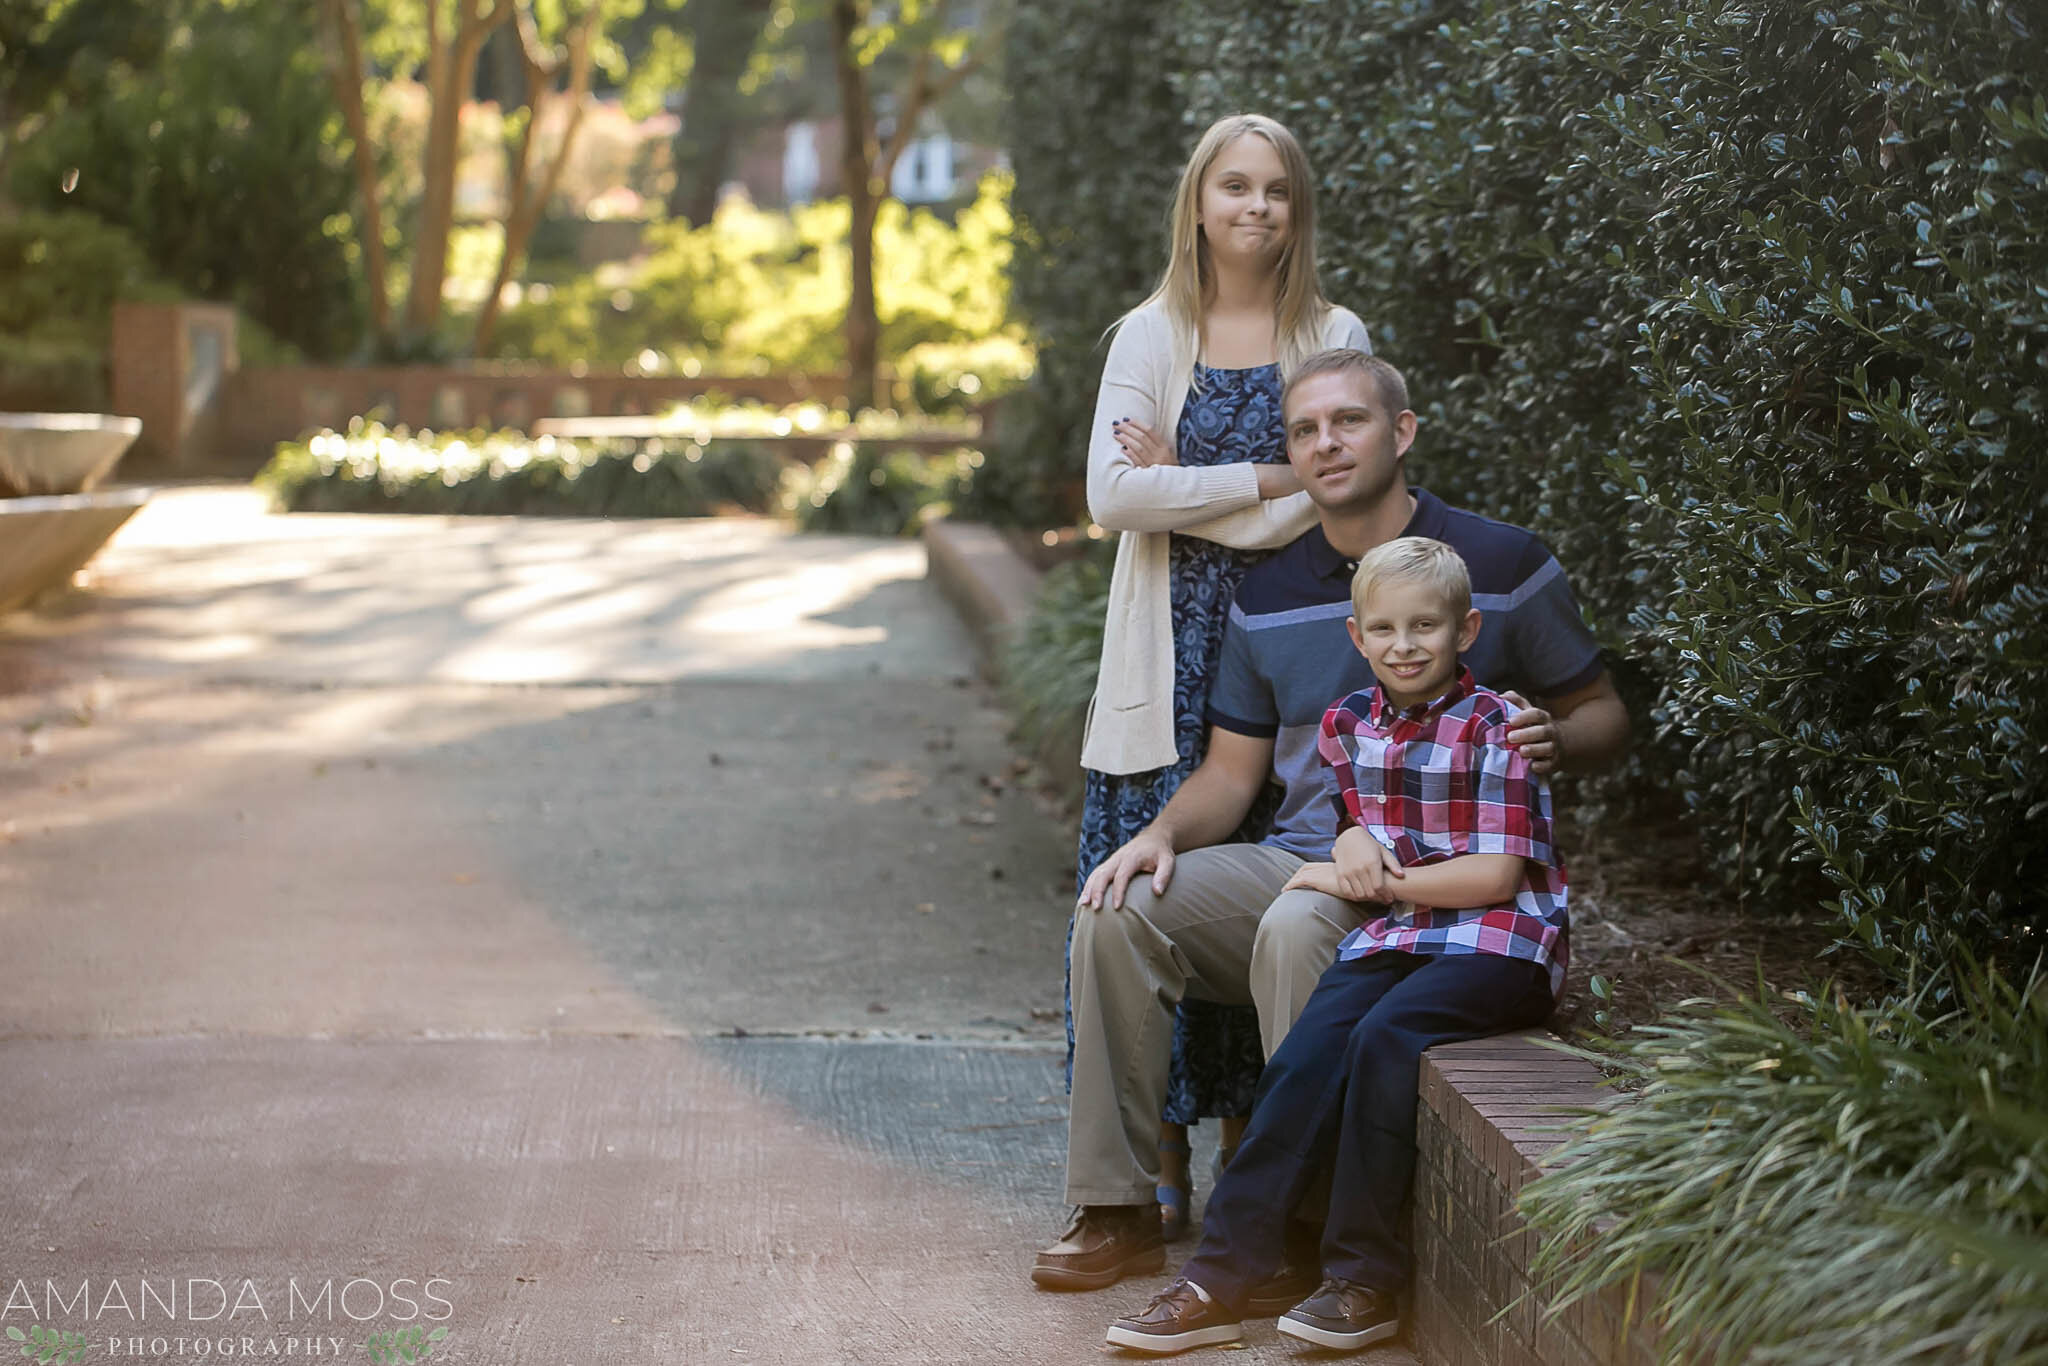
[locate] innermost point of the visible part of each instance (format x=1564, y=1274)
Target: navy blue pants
x=1340, y=1094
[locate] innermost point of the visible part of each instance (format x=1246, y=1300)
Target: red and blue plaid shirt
x=1432, y=782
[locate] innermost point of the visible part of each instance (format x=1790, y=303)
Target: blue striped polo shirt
x=1287, y=657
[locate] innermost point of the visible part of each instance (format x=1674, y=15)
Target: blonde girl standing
x=1187, y=459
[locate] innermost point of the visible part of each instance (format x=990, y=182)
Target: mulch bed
x=1648, y=916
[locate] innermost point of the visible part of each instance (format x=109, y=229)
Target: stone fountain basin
x=51, y=522
x=59, y=453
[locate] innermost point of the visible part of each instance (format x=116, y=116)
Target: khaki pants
x=1223, y=931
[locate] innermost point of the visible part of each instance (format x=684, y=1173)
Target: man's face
x=1342, y=441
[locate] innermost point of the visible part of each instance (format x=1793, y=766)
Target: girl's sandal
x=1174, y=1201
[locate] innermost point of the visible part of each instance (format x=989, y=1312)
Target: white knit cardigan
x=1130, y=720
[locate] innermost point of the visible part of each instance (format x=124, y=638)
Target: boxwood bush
x=870, y=489
x=863, y=486
x=1050, y=663
x=1740, y=307
x=372, y=469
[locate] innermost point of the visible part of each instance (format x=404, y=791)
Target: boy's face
x=1412, y=638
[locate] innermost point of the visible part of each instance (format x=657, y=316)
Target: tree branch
x=348, y=87
x=909, y=109
x=524, y=210
x=919, y=95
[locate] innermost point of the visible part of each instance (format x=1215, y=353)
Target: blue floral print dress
x=1231, y=416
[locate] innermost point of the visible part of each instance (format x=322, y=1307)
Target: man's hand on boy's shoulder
x=1533, y=731
x=1594, y=716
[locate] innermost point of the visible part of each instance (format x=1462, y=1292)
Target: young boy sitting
x=1442, y=820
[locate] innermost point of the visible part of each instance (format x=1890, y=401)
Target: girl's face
x=1244, y=201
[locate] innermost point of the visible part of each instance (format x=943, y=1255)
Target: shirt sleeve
x=1240, y=697
x=1344, y=329
x=1511, y=805
x=1551, y=649
x=1124, y=496
x=1336, y=755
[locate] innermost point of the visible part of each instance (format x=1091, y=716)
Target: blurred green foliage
x=1049, y=664
x=716, y=461
x=870, y=489
x=65, y=272
x=954, y=377
x=756, y=291
x=374, y=469
x=222, y=160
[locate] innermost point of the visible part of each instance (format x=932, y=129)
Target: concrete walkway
x=621, y=941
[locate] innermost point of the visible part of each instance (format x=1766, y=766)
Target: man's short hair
x=1388, y=383
x=1413, y=559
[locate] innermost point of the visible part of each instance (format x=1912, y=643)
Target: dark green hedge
x=1741, y=307
x=222, y=161
x=1095, y=135
x=1744, y=307
x=64, y=272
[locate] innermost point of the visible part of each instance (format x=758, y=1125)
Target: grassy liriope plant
x=1807, y=1180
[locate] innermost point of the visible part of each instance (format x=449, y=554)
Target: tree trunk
x=348, y=86
x=724, y=34
x=867, y=169
x=451, y=70
x=856, y=161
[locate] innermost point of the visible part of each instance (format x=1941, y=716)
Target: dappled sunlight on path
x=204, y=579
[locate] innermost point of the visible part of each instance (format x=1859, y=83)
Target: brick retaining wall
x=1488, y=1116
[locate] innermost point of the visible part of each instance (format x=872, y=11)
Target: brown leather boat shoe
x=1104, y=1244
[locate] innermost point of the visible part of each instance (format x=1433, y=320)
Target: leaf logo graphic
x=404, y=1345
x=45, y=1345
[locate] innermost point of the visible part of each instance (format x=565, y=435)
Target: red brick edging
x=1489, y=1115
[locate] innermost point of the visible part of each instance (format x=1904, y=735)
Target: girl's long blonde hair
x=1298, y=303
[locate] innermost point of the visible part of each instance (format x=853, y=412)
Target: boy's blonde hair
x=1417, y=559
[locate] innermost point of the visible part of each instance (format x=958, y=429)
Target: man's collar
x=1383, y=713
x=1328, y=562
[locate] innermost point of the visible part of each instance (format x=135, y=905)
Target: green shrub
x=1738, y=307
x=371, y=469
x=65, y=272
x=1097, y=140
x=868, y=489
x=954, y=377
x=1815, y=1182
